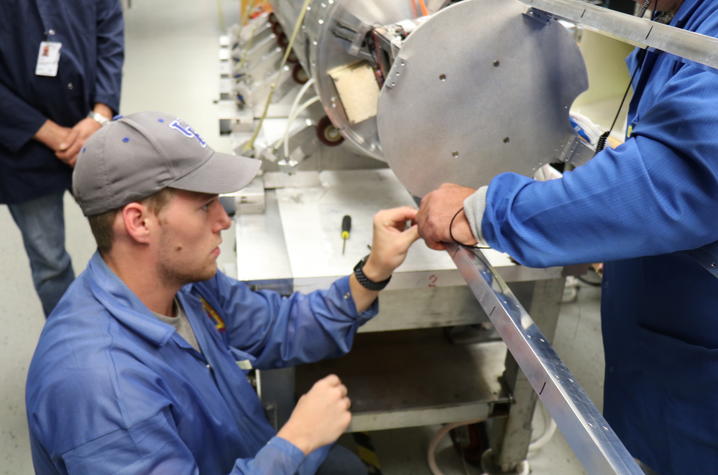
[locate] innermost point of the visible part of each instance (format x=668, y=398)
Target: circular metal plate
x=481, y=89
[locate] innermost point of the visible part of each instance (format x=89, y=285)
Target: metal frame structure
x=640, y=32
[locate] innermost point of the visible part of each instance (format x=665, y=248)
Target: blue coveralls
x=113, y=390
x=634, y=208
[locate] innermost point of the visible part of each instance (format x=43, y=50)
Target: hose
x=547, y=435
x=440, y=434
x=550, y=429
x=297, y=25
x=292, y=112
x=301, y=109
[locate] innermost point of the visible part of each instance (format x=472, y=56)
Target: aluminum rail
x=591, y=438
x=637, y=31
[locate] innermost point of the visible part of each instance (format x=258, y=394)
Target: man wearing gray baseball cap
x=141, y=367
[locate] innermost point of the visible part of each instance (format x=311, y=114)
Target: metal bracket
x=641, y=32
x=355, y=35
x=576, y=152
x=538, y=15
x=395, y=73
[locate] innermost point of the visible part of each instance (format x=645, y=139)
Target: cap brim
x=221, y=173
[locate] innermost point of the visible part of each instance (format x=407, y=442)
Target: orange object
x=262, y=8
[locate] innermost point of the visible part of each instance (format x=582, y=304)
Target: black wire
x=589, y=282
x=451, y=233
x=601, y=143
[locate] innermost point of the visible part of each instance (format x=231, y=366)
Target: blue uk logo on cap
x=187, y=132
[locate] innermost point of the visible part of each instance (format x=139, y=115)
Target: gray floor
x=171, y=66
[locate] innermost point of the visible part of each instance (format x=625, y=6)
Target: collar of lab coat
x=124, y=305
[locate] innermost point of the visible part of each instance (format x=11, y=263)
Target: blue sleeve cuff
x=278, y=456
x=349, y=306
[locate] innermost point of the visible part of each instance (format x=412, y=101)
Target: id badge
x=48, y=58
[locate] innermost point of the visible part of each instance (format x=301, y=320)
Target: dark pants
x=342, y=461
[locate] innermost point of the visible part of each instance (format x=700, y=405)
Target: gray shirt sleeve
x=474, y=207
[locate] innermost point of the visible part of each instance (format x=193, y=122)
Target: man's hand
x=52, y=135
x=435, y=213
x=76, y=139
x=320, y=416
x=390, y=242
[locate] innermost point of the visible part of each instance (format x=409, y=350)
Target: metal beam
x=591, y=438
x=637, y=31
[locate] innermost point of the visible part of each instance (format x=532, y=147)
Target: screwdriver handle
x=346, y=226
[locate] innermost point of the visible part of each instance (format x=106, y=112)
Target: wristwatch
x=101, y=119
x=365, y=281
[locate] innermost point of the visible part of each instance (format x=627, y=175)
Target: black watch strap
x=365, y=281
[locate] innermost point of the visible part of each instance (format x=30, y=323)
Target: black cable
x=451, y=234
x=588, y=282
x=601, y=143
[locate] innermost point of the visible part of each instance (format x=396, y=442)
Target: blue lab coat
x=636, y=207
x=90, y=71
x=111, y=389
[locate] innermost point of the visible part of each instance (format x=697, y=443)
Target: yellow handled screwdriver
x=346, y=229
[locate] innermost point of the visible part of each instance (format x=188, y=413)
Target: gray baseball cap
x=135, y=156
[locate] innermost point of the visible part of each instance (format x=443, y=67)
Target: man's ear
x=137, y=220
